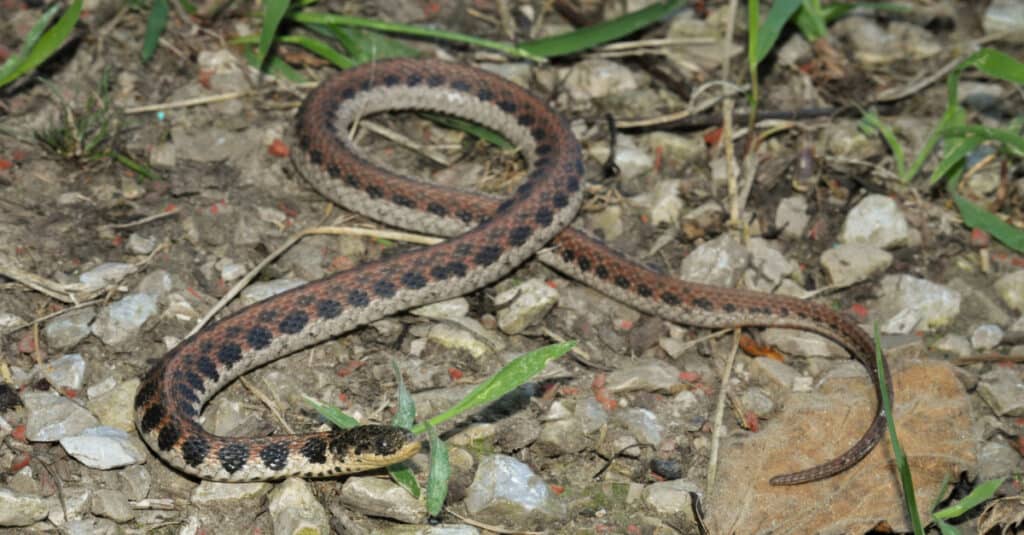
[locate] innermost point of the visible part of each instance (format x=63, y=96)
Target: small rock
x=66, y=372
x=672, y=499
x=105, y=275
x=854, y=262
x=74, y=503
x=122, y=320
x=1010, y=288
x=21, y=509
x=232, y=271
x=757, y=401
x=662, y=204
x=997, y=459
x=112, y=504
x=598, y=78
x=141, y=245
x=718, y=262
x=92, y=526
x=933, y=305
x=524, y=305
x=559, y=438
x=771, y=266
x=295, y=510
x=649, y=376
x=844, y=138
x=1004, y=392
x=444, y=310
x=791, y=216
x=954, y=344
x=156, y=284
x=382, y=497
x=804, y=343
x=102, y=448
x=114, y=407
x=263, y=290
x=214, y=493
x=451, y=337
x=642, y=424
x=986, y=336
x=1005, y=16
x=68, y=329
x=505, y=488
x=591, y=415
x=876, y=220
x=51, y=417
x=778, y=376
x=631, y=160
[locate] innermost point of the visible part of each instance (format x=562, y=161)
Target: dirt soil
x=224, y=195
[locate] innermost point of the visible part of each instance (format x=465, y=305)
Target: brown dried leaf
x=932, y=420
x=1004, y=515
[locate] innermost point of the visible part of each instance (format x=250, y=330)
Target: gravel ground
x=103, y=270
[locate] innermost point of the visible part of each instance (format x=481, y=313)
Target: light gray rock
x=652, y=375
x=524, y=305
x=50, y=417
x=505, y=488
x=925, y=305
x=112, y=504
x=986, y=336
x=791, y=215
x=876, y=220
x=103, y=448
x=65, y=372
x=211, y=493
x=719, y=262
x=21, y=509
x=68, y=329
x=1004, y=392
x=853, y=262
x=672, y=499
x=105, y=275
x=122, y=320
x=642, y=424
x=295, y=510
x=114, y=407
x=384, y=498
x=1005, y=16
x=263, y=290
x=1010, y=288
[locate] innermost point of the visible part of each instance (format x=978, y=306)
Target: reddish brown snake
x=493, y=237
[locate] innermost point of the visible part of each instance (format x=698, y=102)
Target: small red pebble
x=20, y=461
x=1019, y=443
x=689, y=377
x=69, y=393
x=751, y=421
x=557, y=489
x=343, y=398
x=170, y=207
x=278, y=148
x=623, y=325
x=633, y=529
x=980, y=238
x=204, y=77
x=5, y=164
x=455, y=374
x=349, y=367
x=713, y=136
x=27, y=343
x=859, y=310
x=19, y=433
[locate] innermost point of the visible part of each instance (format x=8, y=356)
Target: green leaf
x=48, y=44
x=1007, y=137
x=440, y=472
x=314, y=45
x=811, y=21
x=998, y=64
x=406, y=413
x=471, y=128
x=507, y=379
x=33, y=36
x=946, y=529
x=952, y=161
x=273, y=13
x=768, y=33
x=603, y=32
x=403, y=475
x=902, y=465
x=333, y=414
x=979, y=494
x=873, y=123
x=313, y=17
x=155, y=25
x=365, y=45
x=975, y=216
x=275, y=66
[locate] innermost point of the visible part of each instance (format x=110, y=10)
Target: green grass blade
x=811, y=21
x=597, y=34
x=33, y=36
x=155, y=25
x=975, y=216
x=979, y=494
x=440, y=472
x=871, y=122
x=275, y=66
x=906, y=479
x=406, y=413
x=403, y=475
x=507, y=379
x=314, y=45
x=471, y=128
x=312, y=17
x=954, y=157
x=953, y=116
x=333, y=414
x=946, y=529
x=998, y=64
x=273, y=14
x=48, y=44
x=1007, y=137
x=768, y=33
x=366, y=45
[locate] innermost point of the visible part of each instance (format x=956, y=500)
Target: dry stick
x=340, y=231
x=143, y=221
x=269, y=404
x=491, y=527
x=716, y=424
x=404, y=141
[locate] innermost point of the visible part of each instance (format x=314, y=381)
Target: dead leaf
x=933, y=422
x=1006, y=514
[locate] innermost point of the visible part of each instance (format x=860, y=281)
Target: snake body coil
x=493, y=237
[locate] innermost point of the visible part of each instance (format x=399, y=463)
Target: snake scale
x=491, y=237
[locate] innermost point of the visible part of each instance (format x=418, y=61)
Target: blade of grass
x=906, y=479
x=313, y=17
x=404, y=418
x=979, y=494
x=314, y=45
x=954, y=158
x=597, y=34
x=471, y=128
x=333, y=414
x=440, y=472
x=48, y=44
x=769, y=31
x=365, y=45
x=507, y=379
x=275, y=66
x=975, y=216
x=31, y=39
x=871, y=122
x=1007, y=137
x=155, y=24
x=273, y=14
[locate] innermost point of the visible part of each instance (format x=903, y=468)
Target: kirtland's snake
x=493, y=237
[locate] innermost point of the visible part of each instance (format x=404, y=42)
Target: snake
x=489, y=237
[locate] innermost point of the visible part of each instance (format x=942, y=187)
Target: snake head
x=373, y=446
